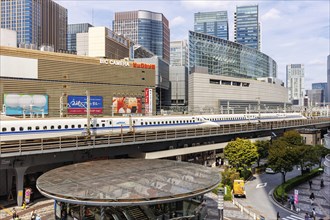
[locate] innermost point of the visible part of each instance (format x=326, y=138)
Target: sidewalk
x=322, y=197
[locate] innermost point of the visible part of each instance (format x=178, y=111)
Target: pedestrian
x=38, y=217
x=314, y=214
x=292, y=203
x=306, y=216
x=33, y=215
x=14, y=213
x=278, y=217
x=310, y=184
x=17, y=218
x=312, y=197
x=322, y=183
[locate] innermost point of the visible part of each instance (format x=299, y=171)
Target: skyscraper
x=321, y=86
x=212, y=23
x=73, y=30
x=247, y=27
x=36, y=22
x=328, y=79
x=295, y=83
x=179, y=53
x=149, y=29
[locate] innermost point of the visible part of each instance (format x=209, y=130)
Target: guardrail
x=68, y=143
x=253, y=214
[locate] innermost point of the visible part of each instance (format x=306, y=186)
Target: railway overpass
x=18, y=158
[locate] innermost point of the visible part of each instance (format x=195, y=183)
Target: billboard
x=17, y=104
x=126, y=105
x=148, y=101
x=78, y=104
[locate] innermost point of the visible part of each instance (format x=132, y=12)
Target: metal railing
x=68, y=143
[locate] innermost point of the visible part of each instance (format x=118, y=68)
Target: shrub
x=290, y=184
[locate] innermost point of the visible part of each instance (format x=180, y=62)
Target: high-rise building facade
x=324, y=87
x=295, y=83
x=212, y=23
x=179, y=53
x=328, y=79
x=73, y=30
x=247, y=27
x=226, y=58
x=37, y=22
x=149, y=29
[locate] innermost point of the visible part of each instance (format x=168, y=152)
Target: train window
x=79, y=126
x=103, y=125
x=52, y=127
x=180, y=121
x=21, y=128
x=85, y=125
x=66, y=126
x=162, y=122
x=97, y=125
x=72, y=126
x=92, y=125
x=59, y=127
x=158, y=122
x=154, y=122
x=133, y=121
x=150, y=123
x=12, y=128
x=177, y=122
x=37, y=128
x=110, y=122
x=29, y=128
x=165, y=122
x=45, y=127
x=141, y=123
x=4, y=129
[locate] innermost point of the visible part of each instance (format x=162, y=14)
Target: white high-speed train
x=25, y=129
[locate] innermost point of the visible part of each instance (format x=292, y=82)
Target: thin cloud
x=271, y=15
x=177, y=21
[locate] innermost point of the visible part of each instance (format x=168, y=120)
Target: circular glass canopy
x=124, y=182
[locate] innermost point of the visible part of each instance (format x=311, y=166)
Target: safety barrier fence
x=68, y=143
x=253, y=214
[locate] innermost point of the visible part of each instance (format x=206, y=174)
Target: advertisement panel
x=78, y=104
x=148, y=101
x=17, y=104
x=127, y=105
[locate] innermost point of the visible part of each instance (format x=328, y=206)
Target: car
x=269, y=170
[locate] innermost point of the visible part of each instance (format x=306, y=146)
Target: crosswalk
x=293, y=217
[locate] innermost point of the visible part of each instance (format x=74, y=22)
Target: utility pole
x=88, y=113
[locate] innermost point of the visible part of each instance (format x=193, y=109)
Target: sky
x=292, y=31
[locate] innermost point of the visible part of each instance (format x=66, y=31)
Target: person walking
x=306, y=216
x=310, y=184
x=322, y=183
x=314, y=214
x=312, y=197
x=14, y=213
x=33, y=215
x=278, y=217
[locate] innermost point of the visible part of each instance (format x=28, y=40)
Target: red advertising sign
x=148, y=101
x=144, y=65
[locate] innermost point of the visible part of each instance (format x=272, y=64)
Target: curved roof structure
x=125, y=182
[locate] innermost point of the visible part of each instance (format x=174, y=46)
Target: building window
x=214, y=81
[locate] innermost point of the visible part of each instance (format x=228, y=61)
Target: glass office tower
x=322, y=86
x=149, y=29
x=227, y=58
x=73, y=29
x=247, y=27
x=212, y=23
x=37, y=22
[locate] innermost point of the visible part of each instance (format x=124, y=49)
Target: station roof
x=123, y=182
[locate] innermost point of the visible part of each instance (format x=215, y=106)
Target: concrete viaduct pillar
x=20, y=171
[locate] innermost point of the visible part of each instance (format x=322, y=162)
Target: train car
x=25, y=129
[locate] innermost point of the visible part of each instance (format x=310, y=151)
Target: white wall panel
x=18, y=67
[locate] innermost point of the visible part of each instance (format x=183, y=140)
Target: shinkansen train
x=25, y=129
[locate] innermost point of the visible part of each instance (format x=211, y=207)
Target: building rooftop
x=125, y=182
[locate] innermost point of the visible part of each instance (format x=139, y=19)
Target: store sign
x=123, y=62
x=144, y=65
x=148, y=101
x=17, y=104
x=78, y=104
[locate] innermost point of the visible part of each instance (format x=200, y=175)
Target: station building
x=227, y=77
x=54, y=84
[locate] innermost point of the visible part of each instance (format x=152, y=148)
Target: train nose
x=210, y=124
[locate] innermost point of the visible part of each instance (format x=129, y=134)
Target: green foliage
x=293, y=138
x=282, y=189
x=246, y=174
x=241, y=153
x=228, y=196
x=321, y=152
x=281, y=157
x=262, y=147
x=306, y=156
x=228, y=176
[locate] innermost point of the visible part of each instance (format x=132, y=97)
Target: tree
x=228, y=176
x=293, y=137
x=305, y=156
x=262, y=148
x=281, y=157
x=241, y=153
x=321, y=152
